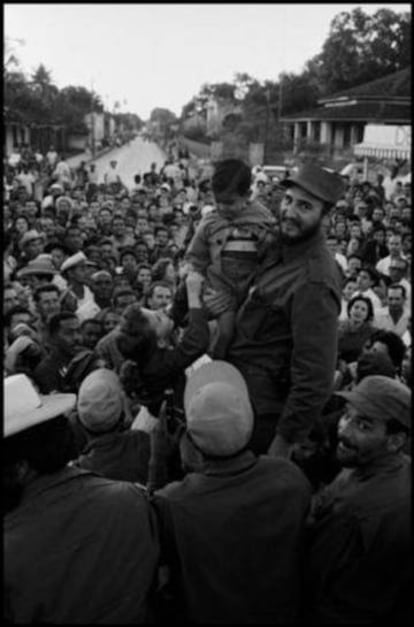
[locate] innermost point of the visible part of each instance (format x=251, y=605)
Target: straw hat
x=25, y=408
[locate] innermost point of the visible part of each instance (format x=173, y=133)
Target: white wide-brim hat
x=25, y=408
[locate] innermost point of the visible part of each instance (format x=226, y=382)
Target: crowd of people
x=207, y=394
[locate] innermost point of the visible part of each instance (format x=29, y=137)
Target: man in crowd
x=120, y=239
x=286, y=330
x=394, y=245
x=32, y=245
x=46, y=298
x=92, y=331
x=398, y=274
x=394, y=317
x=112, y=450
x=359, y=562
x=78, y=548
x=10, y=299
x=78, y=294
x=232, y=530
x=159, y=295
x=65, y=342
x=102, y=285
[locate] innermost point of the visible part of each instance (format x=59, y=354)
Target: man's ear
x=396, y=442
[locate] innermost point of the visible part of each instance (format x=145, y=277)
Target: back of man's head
x=218, y=410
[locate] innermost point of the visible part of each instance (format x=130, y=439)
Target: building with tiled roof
x=340, y=119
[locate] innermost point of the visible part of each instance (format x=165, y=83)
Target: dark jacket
x=351, y=341
x=49, y=375
x=372, y=252
x=359, y=563
x=232, y=537
x=286, y=336
x=80, y=549
x=166, y=367
x=122, y=456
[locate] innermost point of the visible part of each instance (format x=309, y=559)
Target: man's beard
x=303, y=236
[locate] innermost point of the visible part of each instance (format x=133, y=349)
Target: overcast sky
x=159, y=55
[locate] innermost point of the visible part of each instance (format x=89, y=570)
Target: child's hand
x=194, y=282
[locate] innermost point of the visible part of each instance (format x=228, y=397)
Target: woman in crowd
x=356, y=330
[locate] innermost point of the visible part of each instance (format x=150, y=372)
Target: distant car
x=277, y=173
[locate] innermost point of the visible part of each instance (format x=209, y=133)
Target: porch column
x=326, y=133
x=296, y=136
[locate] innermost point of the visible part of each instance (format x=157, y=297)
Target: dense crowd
x=207, y=394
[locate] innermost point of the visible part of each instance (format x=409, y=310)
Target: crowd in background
x=83, y=258
x=134, y=243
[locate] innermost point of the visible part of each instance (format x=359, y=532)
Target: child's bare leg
x=224, y=335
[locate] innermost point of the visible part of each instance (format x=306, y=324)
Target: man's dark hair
x=45, y=289
x=98, y=323
x=47, y=447
x=17, y=309
x=397, y=286
x=72, y=227
x=349, y=279
x=122, y=291
x=158, y=284
x=231, y=176
x=395, y=345
x=372, y=273
x=378, y=227
x=143, y=265
x=57, y=245
x=105, y=240
x=127, y=251
x=161, y=228
x=56, y=320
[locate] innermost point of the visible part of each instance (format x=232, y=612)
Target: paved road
x=135, y=158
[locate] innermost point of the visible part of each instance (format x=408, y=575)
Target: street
x=135, y=158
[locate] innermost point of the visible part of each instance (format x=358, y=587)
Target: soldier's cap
x=327, y=186
x=218, y=409
x=377, y=396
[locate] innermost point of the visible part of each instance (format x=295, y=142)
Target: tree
x=361, y=48
x=161, y=121
x=299, y=92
